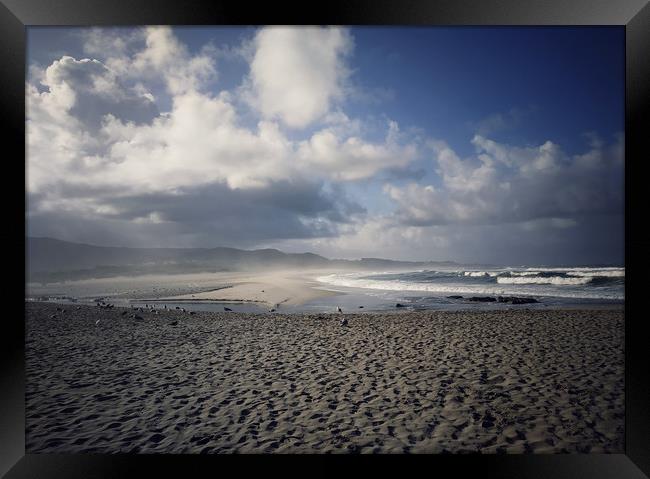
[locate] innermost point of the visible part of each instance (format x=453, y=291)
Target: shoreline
x=288, y=290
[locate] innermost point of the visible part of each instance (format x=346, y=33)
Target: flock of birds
x=151, y=308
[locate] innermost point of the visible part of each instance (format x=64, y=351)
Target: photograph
x=327, y=239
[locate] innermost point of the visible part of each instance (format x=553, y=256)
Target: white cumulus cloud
x=96, y=137
x=297, y=74
x=509, y=184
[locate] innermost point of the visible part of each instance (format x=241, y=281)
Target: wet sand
x=270, y=289
x=410, y=382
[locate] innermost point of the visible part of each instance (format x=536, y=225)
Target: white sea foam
x=557, y=280
x=523, y=287
x=576, y=268
x=596, y=273
x=481, y=274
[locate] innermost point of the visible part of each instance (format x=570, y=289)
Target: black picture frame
x=633, y=15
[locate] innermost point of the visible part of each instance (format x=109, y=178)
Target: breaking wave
x=543, y=280
x=573, y=282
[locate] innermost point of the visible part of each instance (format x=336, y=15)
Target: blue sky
x=464, y=143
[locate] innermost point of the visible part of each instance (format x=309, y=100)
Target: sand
x=416, y=382
x=274, y=288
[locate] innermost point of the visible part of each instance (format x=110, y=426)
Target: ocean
x=549, y=285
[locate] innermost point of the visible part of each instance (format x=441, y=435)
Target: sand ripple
x=427, y=382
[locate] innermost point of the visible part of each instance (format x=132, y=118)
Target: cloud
x=297, y=74
x=154, y=55
x=98, y=147
x=105, y=131
x=508, y=184
x=376, y=236
x=139, y=144
x=213, y=214
x=352, y=158
x=115, y=42
x=596, y=240
x=87, y=90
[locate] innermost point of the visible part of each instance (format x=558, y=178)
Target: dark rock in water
x=398, y=305
x=227, y=309
x=178, y=307
x=483, y=299
x=455, y=296
x=524, y=300
x=360, y=307
x=272, y=310
x=123, y=313
x=192, y=313
x=516, y=300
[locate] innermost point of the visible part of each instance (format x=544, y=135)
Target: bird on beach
x=338, y=308
x=344, y=322
x=97, y=322
x=227, y=309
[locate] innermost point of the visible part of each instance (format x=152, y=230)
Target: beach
x=503, y=381
x=268, y=289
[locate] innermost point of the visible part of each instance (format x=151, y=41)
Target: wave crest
x=558, y=280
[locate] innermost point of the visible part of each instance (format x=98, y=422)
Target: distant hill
x=50, y=259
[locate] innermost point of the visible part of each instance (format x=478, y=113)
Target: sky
x=499, y=145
